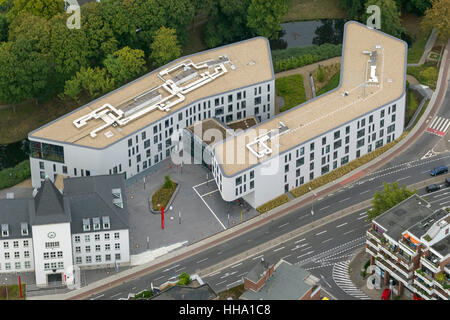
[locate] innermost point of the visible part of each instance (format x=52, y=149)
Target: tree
x=24, y=73
x=414, y=6
x=68, y=49
x=3, y=28
x=165, y=47
x=125, y=64
x=91, y=81
x=32, y=28
x=438, y=16
x=390, y=16
x=118, y=14
x=227, y=23
x=184, y=279
x=168, y=184
x=99, y=35
x=265, y=17
x=353, y=7
x=391, y=195
x=43, y=8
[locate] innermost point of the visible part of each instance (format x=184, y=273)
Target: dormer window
x=86, y=224
x=5, y=230
x=24, y=228
x=106, y=223
x=96, y=223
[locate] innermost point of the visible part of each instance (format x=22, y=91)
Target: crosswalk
x=342, y=279
x=439, y=126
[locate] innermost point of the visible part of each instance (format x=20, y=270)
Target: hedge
x=278, y=201
x=11, y=176
x=162, y=196
x=339, y=172
x=301, y=56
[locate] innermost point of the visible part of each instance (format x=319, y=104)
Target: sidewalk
x=254, y=223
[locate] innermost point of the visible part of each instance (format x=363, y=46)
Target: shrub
x=162, y=195
x=320, y=74
x=144, y=295
x=184, y=279
x=426, y=74
x=167, y=182
x=273, y=203
x=339, y=172
x=12, y=176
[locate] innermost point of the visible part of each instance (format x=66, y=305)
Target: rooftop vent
x=251, y=63
x=233, y=67
x=109, y=134
x=10, y=195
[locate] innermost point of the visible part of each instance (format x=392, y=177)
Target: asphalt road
x=407, y=168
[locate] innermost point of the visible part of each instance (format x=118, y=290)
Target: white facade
x=52, y=247
x=311, y=159
x=151, y=144
x=16, y=255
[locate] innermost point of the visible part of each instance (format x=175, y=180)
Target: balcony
x=405, y=260
x=392, y=271
x=442, y=293
x=430, y=264
x=389, y=252
x=427, y=278
x=371, y=251
x=423, y=287
x=378, y=237
x=408, y=246
x=442, y=281
x=371, y=242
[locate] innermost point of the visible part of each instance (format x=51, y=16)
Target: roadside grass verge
x=278, y=201
x=291, y=89
x=13, y=292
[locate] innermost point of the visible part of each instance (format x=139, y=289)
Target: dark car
x=447, y=182
x=439, y=170
x=432, y=187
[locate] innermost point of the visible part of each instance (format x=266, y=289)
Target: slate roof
x=258, y=271
x=442, y=246
x=13, y=212
x=91, y=197
x=203, y=292
x=287, y=282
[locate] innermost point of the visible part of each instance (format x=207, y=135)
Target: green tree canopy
x=24, y=72
x=164, y=47
x=438, y=16
x=43, y=8
x=68, y=49
x=92, y=82
x=390, y=16
x=391, y=195
x=265, y=17
x=118, y=14
x=32, y=28
x=227, y=23
x=354, y=8
x=3, y=28
x=415, y=6
x=125, y=64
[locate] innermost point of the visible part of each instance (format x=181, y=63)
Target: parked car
x=386, y=294
x=447, y=182
x=439, y=170
x=432, y=187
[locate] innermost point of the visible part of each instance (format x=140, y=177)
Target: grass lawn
x=15, y=126
x=412, y=105
x=162, y=196
x=312, y=10
x=234, y=293
x=333, y=83
x=329, y=72
x=291, y=89
x=426, y=74
x=13, y=292
x=416, y=50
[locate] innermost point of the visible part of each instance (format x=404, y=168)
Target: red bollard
x=162, y=218
x=20, y=287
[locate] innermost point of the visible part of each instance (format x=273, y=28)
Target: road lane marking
x=204, y=195
x=236, y=265
x=364, y=212
x=213, y=274
x=327, y=240
x=285, y=257
x=362, y=217
x=260, y=256
x=98, y=297
x=444, y=203
x=177, y=265
x=349, y=231
x=158, y=278
x=200, y=184
x=324, y=208
x=280, y=248
x=317, y=234
x=230, y=284
x=305, y=254
x=306, y=215
x=200, y=261
x=403, y=178
x=116, y=294
x=283, y=225
x=300, y=240
x=180, y=269
x=224, y=228
x=341, y=225
x=344, y=199
x=364, y=192
x=306, y=248
x=221, y=282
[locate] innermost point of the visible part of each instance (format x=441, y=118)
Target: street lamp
x=6, y=287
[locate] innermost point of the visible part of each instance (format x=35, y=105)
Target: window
x=360, y=143
x=27, y=265
x=53, y=255
x=116, y=235
x=46, y=255
x=361, y=133
x=382, y=114
x=107, y=247
x=87, y=238
x=370, y=118
x=344, y=160
x=286, y=168
x=97, y=247
x=8, y=266
x=5, y=245
x=88, y=259
x=16, y=255
x=78, y=260
x=98, y=258
x=300, y=161
x=78, y=249
x=238, y=181
x=41, y=165
x=87, y=248
x=311, y=146
x=106, y=236
x=117, y=246
x=46, y=266
x=64, y=169
x=50, y=245
x=393, y=118
x=337, y=135
x=60, y=265
x=77, y=239
x=26, y=254
x=97, y=237
x=107, y=257
x=337, y=144
x=117, y=256
x=17, y=265
x=297, y=173
x=252, y=184
x=60, y=254
x=6, y=255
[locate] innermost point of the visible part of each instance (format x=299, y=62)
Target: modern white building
x=83, y=226
x=134, y=127
x=365, y=112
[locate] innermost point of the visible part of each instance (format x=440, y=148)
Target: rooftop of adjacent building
x=177, y=292
x=250, y=63
x=334, y=109
x=443, y=247
x=287, y=282
x=404, y=216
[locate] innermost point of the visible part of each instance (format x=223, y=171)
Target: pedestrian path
x=439, y=126
x=342, y=279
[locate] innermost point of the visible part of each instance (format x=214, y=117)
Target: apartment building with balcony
x=400, y=242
